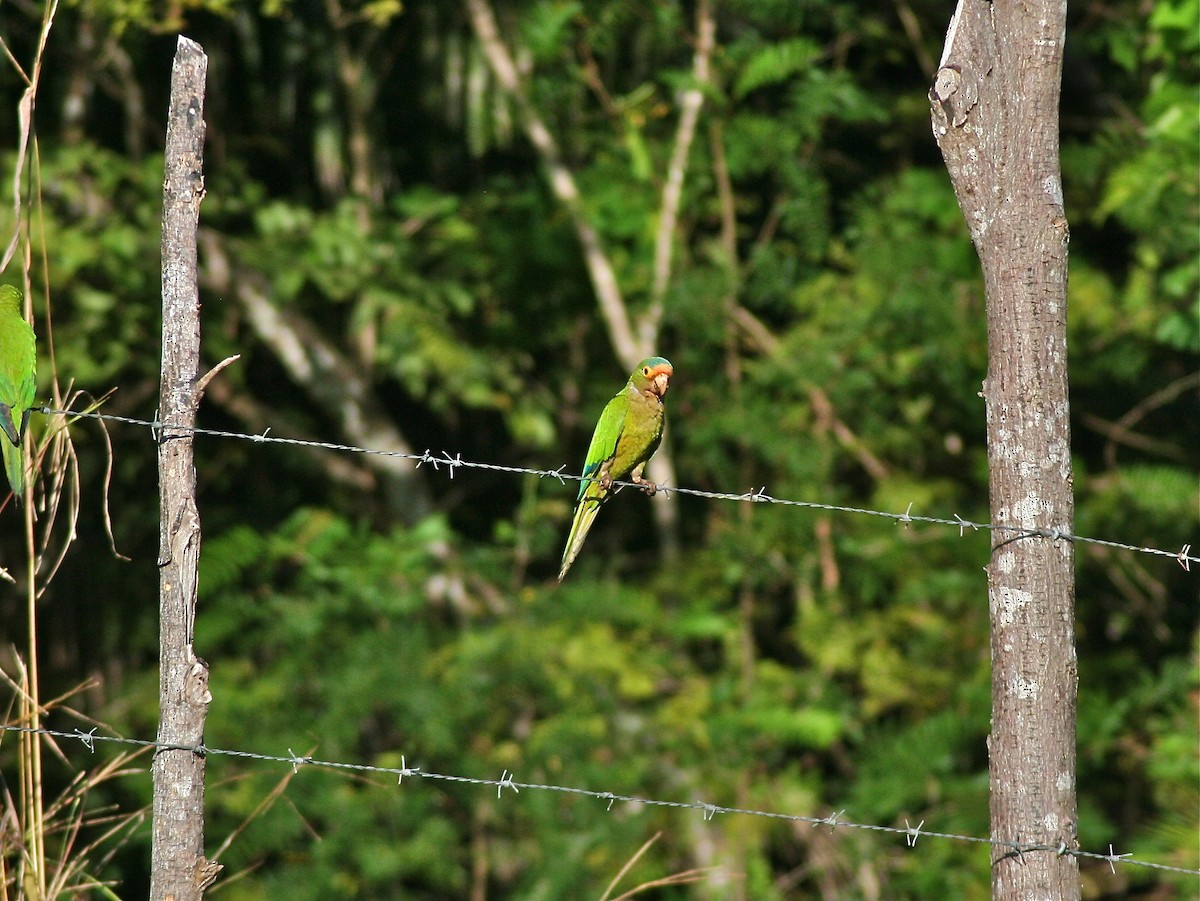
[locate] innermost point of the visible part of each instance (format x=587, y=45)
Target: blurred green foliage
x=827, y=327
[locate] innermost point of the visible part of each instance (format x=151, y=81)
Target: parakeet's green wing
x=18, y=383
x=628, y=433
x=601, y=450
x=604, y=440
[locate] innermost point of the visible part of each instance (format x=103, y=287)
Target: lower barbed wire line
x=1184, y=556
x=89, y=739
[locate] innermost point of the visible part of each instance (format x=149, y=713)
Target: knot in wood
x=206, y=872
x=946, y=84
x=953, y=95
x=196, y=686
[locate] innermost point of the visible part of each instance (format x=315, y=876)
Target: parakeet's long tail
x=585, y=515
x=14, y=467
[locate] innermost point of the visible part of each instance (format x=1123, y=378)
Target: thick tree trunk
x=179, y=870
x=995, y=116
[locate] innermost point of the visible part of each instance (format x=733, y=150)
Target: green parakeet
x=18, y=381
x=627, y=435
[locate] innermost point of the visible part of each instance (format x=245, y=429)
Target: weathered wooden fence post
x=179, y=870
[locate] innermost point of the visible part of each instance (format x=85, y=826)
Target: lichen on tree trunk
x=995, y=117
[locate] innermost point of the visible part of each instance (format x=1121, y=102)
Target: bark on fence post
x=179, y=870
x=995, y=117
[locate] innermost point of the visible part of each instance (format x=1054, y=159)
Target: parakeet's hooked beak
x=660, y=383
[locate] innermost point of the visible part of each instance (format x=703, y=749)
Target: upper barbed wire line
x=1183, y=556
x=508, y=780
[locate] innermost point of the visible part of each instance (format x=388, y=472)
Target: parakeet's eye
x=646, y=371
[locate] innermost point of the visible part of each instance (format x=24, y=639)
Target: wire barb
x=1114, y=859
x=913, y=834
x=830, y=821
x=297, y=762
x=88, y=738
x=452, y=462
x=506, y=781
x=406, y=770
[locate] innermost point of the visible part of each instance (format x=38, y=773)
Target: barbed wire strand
x=508, y=781
x=1183, y=556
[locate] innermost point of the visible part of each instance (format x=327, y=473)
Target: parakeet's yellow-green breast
x=626, y=437
x=18, y=382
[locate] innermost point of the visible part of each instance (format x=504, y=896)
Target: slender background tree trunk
x=179, y=870
x=995, y=116
x=633, y=337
